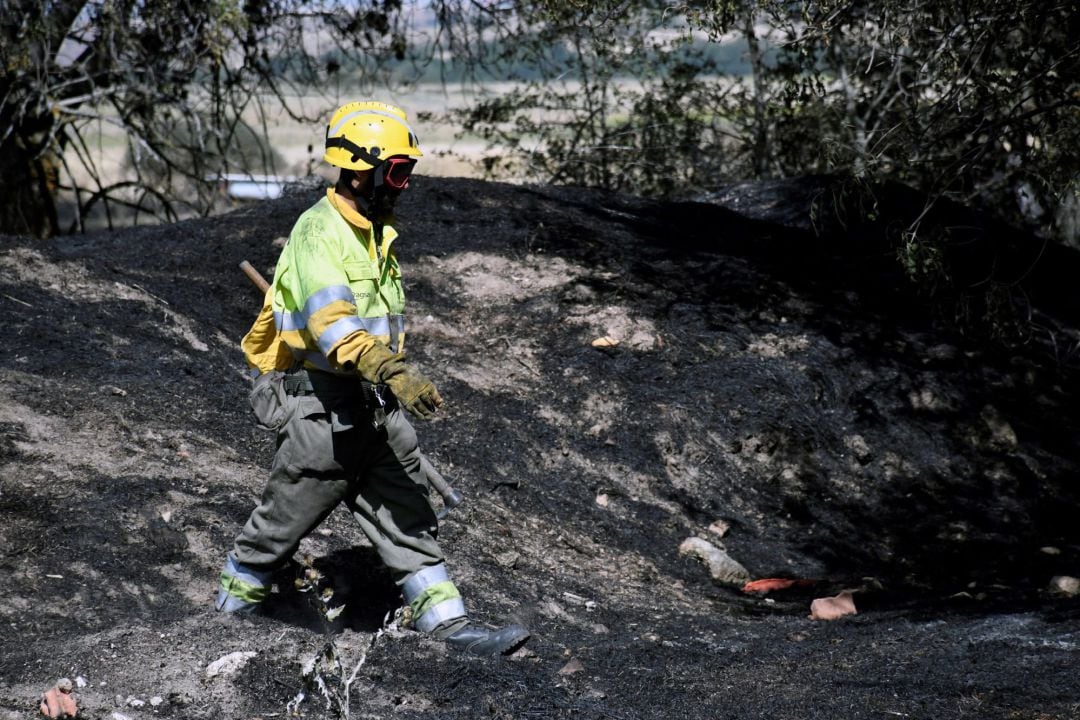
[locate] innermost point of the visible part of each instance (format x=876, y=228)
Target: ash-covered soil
x=781, y=383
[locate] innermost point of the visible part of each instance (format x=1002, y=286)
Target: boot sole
x=514, y=644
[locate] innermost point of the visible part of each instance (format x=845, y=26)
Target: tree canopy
x=184, y=81
x=973, y=101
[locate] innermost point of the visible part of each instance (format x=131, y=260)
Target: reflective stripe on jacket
x=333, y=296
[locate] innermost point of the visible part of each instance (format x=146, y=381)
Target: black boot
x=480, y=641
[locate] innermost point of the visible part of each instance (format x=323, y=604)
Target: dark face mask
x=382, y=205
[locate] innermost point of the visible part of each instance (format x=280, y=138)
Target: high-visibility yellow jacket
x=336, y=292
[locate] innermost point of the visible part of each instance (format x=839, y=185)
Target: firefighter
x=327, y=351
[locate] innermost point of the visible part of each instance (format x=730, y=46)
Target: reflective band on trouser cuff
x=436, y=615
x=327, y=295
x=244, y=583
x=433, y=599
x=421, y=580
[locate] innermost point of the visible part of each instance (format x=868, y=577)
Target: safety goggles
x=395, y=171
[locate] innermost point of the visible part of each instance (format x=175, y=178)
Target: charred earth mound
x=776, y=385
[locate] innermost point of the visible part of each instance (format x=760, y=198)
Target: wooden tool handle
x=255, y=276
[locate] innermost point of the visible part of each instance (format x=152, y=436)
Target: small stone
x=858, y=446
x=523, y=653
x=156, y=700
x=600, y=629
x=1066, y=585
x=602, y=500
x=80, y=682
x=1001, y=431
x=719, y=528
x=135, y=702
x=551, y=609
x=507, y=559
x=229, y=664
x=64, y=685
x=604, y=343
x=1050, y=550
x=574, y=666
x=833, y=608
x=119, y=716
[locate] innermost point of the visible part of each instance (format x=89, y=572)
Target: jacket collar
x=351, y=216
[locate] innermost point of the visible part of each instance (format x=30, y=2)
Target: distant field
x=300, y=144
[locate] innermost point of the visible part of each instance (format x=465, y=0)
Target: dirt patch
x=822, y=417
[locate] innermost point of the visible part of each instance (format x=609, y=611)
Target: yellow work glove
x=415, y=392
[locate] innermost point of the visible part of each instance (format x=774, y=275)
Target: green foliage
x=973, y=102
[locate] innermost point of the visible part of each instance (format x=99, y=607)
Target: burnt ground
x=784, y=383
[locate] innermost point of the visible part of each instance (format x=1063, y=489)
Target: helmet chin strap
x=373, y=200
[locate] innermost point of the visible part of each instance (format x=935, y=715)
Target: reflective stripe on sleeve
x=422, y=580
x=285, y=320
x=396, y=330
x=376, y=325
x=438, y=614
x=316, y=359
x=326, y=296
x=337, y=330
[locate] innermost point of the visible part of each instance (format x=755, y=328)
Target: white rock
x=119, y=716
x=719, y=528
x=156, y=700
x=229, y=664
x=1065, y=584
x=722, y=567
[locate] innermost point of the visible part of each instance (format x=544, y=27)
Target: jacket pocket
x=361, y=270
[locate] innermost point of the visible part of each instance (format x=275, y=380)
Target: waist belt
x=314, y=382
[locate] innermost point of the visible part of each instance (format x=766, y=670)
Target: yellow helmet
x=363, y=134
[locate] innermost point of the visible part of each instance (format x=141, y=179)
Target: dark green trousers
x=329, y=451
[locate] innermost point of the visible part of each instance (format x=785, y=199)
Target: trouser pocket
x=267, y=399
